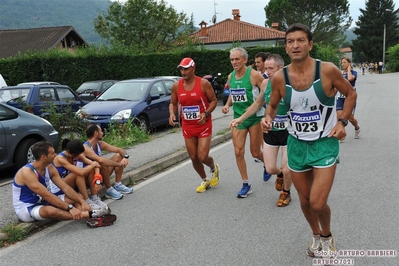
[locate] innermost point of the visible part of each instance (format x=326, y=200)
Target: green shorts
x=251, y=121
x=304, y=155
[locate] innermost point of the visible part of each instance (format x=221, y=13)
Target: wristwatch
x=343, y=121
x=98, y=182
x=207, y=114
x=126, y=156
x=70, y=206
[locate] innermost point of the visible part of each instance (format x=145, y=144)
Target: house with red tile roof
x=347, y=51
x=223, y=34
x=17, y=41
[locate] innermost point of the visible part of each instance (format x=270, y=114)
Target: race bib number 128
x=191, y=112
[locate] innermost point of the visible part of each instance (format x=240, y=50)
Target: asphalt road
x=165, y=222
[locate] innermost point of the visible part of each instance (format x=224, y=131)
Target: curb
x=130, y=177
x=160, y=165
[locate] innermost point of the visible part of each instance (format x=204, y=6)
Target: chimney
x=236, y=14
x=275, y=25
x=203, y=32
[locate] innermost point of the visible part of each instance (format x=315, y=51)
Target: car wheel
x=143, y=123
x=23, y=153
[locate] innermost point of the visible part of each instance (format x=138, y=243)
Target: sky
x=251, y=11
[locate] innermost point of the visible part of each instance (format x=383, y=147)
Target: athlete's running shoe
x=99, y=202
x=123, y=189
x=102, y=204
x=215, y=176
x=113, y=194
x=105, y=220
x=328, y=247
x=93, y=205
x=99, y=213
x=266, y=175
x=245, y=190
x=203, y=186
x=315, y=246
x=357, y=133
x=284, y=199
x=279, y=184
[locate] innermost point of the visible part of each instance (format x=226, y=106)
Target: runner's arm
x=173, y=104
x=278, y=87
x=103, y=161
x=251, y=110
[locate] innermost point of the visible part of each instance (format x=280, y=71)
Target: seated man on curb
x=93, y=150
x=77, y=177
x=32, y=201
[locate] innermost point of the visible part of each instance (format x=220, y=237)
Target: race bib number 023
x=191, y=112
x=307, y=122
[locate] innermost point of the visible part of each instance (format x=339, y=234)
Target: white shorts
x=33, y=215
x=25, y=216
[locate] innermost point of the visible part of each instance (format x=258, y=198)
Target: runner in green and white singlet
x=244, y=88
x=243, y=94
x=312, y=113
x=308, y=87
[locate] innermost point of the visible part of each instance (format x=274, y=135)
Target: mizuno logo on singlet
x=306, y=117
x=190, y=108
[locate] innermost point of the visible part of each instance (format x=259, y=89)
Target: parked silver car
x=89, y=90
x=19, y=130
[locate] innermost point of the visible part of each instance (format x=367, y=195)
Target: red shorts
x=198, y=132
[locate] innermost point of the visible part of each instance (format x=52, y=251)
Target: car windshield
x=125, y=91
x=12, y=94
x=88, y=86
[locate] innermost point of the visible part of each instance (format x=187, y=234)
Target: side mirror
x=154, y=97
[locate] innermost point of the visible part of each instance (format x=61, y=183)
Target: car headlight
x=122, y=115
x=79, y=113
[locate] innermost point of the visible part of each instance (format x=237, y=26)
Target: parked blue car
x=19, y=130
x=38, y=96
x=147, y=100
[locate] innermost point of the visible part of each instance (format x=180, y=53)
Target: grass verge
x=13, y=233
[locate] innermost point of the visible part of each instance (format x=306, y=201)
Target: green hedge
x=73, y=70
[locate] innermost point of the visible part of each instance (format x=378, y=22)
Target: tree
x=143, y=25
x=345, y=44
x=370, y=29
x=327, y=19
x=393, y=58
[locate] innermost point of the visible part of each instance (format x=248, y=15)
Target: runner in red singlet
x=196, y=100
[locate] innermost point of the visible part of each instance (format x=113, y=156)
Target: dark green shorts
x=304, y=155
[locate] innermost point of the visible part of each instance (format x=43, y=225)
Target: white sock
x=117, y=183
x=94, y=197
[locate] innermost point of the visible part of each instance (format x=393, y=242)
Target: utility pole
x=383, y=42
